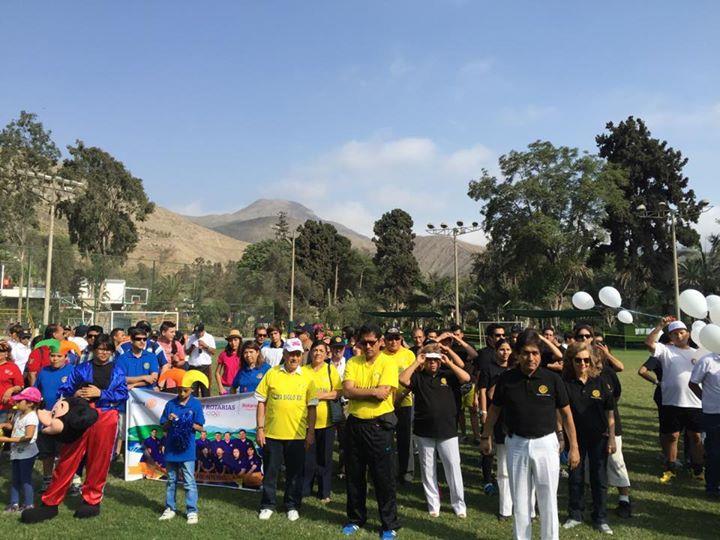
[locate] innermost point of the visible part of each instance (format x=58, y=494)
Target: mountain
x=435, y=255
x=255, y=222
x=172, y=238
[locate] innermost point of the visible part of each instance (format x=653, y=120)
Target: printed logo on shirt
x=259, y=376
x=146, y=365
x=595, y=394
x=8, y=372
x=376, y=377
x=543, y=389
x=63, y=379
x=443, y=381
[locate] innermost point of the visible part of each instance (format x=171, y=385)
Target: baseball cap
x=676, y=325
x=393, y=333
x=337, y=341
x=293, y=345
x=24, y=334
x=303, y=329
x=29, y=394
x=199, y=327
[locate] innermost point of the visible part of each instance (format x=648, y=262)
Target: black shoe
x=86, y=510
x=38, y=514
x=624, y=509
x=502, y=518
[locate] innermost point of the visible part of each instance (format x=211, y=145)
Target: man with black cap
x=201, y=348
x=681, y=408
x=304, y=333
x=403, y=358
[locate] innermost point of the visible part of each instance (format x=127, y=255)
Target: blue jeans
x=191, y=491
x=22, y=481
x=711, y=425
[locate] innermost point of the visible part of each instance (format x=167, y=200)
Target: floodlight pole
x=455, y=231
x=48, y=268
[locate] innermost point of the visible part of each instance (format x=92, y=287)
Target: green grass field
x=130, y=510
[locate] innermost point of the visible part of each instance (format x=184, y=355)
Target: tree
x=25, y=146
x=397, y=268
x=101, y=220
x=282, y=227
x=544, y=218
x=320, y=253
x=653, y=174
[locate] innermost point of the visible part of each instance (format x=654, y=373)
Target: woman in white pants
x=435, y=381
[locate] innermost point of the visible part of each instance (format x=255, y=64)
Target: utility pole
x=458, y=230
x=337, y=266
x=292, y=280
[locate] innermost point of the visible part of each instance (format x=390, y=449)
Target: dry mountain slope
x=435, y=255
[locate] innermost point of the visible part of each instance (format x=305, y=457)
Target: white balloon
x=582, y=300
x=697, y=327
x=625, y=317
x=610, y=297
x=715, y=314
x=710, y=337
x=693, y=303
x=713, y=300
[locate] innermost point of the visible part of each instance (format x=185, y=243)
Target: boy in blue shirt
x=181, y=418
x=48, y=381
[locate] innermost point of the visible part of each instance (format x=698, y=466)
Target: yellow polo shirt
x=403, y=358
x=286, y=397
x=382, y=372
x=324, y=383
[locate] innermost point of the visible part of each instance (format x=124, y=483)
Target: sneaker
x=624, y=509
x=434, y=514
x=76, y=486
x=192, y=518
x=666, y=477
x=265, y=514
x=698, y=476
x=502, y=518
x=604, y=528
x=28, y=507
x=326, y=500
x=489, y=489
x=350, y=529
x=564, y=474
x=293, y=515
x=462, y=515
x=12, y=508
x=388, y=535
x=169, y=513
x=408, y=477
x=571, y=523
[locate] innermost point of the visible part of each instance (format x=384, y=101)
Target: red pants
x=96, y=445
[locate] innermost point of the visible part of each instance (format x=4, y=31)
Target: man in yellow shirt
x=403, y=358
x=287, y=399
x=370, y=383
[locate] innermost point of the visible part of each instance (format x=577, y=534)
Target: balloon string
x=641, y=313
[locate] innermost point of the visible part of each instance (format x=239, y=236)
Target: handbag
x=335, y=408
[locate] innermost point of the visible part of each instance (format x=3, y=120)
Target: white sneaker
x=434, y=514
x=571, y=523
x=192, y=518
x=167, y=514
x=605, y=528
x=265, y=514
x=293, y=515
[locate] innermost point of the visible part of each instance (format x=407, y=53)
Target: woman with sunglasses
x=592, y=404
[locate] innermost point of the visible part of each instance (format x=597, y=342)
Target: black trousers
x=319, y=462
x=292, y=453
x=404, y=440
x=369, y=446
x=594, y=454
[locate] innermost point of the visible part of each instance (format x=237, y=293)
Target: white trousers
x=503, y=481
x=449, y=452
x=534, y=462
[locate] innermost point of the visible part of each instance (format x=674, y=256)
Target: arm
x=652, y=338
x=556, y=352
x=569, y=424
x=406, y=376
x=260, y=429
x=488, y=427
x=311, y=419
x=463, y=376
x=29, y=434
x=616, y=364
x=453, y=356
x=379, y=392
x=696, y=389
x=611, y=448
x=648, y=375
x=219, y=371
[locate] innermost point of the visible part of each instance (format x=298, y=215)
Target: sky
x=357, y=107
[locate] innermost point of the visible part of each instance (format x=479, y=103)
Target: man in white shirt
x=707, y=373
x=681, y=408
x=201, y=348
x=272, y=351
x=21, y=350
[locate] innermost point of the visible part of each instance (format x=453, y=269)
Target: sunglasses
x=392, y=338
x=261, y=335
x=139, y=339
x=583, y=336
x=579, y=361
x=498, y=335
x=368, y=342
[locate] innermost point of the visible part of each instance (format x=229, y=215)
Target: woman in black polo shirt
x=435, y=386
x=592, y=404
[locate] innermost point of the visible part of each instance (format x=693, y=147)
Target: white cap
x=676, y=325
x=293, y=345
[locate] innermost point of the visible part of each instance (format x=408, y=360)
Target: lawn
x=130, y=510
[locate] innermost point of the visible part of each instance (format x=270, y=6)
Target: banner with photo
x=227, y=455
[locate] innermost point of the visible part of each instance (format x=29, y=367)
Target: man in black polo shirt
x=530, y=397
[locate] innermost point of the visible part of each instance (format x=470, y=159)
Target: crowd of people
x=541, y=409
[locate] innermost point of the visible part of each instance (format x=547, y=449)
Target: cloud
x=192, y=208
x=522, y=116
x=359, y=180
x=708, y=224
x=706, y=116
